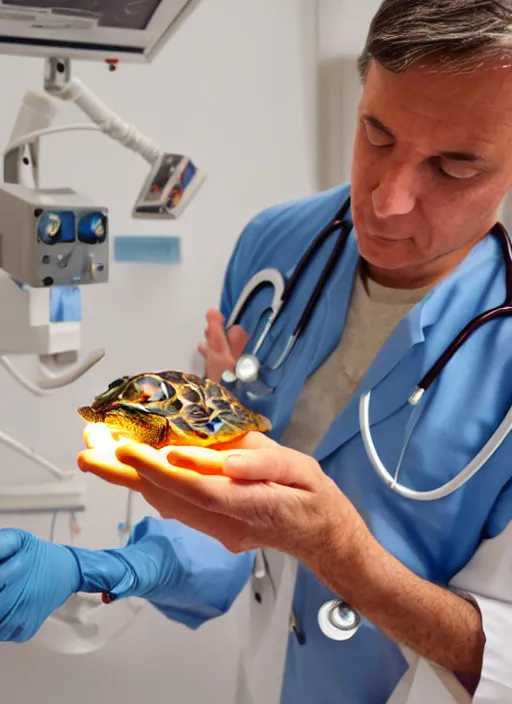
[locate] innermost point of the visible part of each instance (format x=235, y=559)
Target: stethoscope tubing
x=282, y=294
x=327, y=621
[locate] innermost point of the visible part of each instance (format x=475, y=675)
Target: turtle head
x=132, y=405
x=89, y=414
x=95, y=413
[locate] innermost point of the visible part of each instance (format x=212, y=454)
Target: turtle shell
x=173, y=408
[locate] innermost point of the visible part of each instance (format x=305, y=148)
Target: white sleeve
x=487, y=578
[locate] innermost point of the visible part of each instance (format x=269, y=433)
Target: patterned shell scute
x=206, y=406
x=171, y=407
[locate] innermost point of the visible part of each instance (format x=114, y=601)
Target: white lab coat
x=487, y=577
x=266, y=626
x=277, y=238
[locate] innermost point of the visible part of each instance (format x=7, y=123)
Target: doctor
x=428, y=579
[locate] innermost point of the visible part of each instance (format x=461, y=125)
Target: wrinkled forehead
x=431, y=106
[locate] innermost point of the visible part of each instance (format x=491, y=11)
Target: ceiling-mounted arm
x=59, y=83
x=173, y=178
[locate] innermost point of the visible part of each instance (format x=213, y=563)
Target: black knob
x=47, y=281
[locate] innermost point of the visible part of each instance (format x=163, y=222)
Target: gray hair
x=452, y=35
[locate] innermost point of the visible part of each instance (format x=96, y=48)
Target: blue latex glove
x=37, y=576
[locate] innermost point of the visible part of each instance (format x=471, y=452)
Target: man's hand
x=255, y=493
x=221, y=349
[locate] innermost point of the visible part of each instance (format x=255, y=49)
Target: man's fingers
x=237, y=338
x=206, y=491
x=212, y=460
x=172, y=506
x=98, y=435
x=222, y=348
x=105, y=466
x=279, y=466
x=214, y=317
x=199, y=459
x=251, y=458
x=217, y=363
x=215, y=334
x=152, y=465
x=252, y=440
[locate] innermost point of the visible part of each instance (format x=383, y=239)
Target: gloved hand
x=37, y=576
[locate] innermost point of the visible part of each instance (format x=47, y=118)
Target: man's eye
x=376, y=136
x=457, y=170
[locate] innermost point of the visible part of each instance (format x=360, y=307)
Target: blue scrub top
x=455, y=419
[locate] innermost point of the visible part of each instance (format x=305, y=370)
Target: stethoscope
x=248, y=366
x=336, y=618
x=246, y=375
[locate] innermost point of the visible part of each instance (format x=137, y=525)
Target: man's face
x=432, y=163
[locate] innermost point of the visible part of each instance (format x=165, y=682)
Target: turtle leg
x=150, y=429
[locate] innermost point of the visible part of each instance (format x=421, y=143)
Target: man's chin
x=385, y=254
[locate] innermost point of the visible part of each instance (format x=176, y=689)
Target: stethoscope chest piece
x=246, y=378
x=247, y=368
x=338, y=620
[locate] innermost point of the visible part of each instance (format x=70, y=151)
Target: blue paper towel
x=65, y=304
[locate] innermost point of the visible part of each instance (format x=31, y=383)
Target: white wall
x=233, y=90
x=342, y=29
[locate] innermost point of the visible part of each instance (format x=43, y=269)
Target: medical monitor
x=124, y=30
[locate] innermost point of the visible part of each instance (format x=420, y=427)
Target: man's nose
x=396, y=192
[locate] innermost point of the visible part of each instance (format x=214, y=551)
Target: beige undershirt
x=373, y=314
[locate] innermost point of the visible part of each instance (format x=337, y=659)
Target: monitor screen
x=124, y=14
x=133, y=30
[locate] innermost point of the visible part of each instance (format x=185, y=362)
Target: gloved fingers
x=14, y=568
x=105, y=466
x=11, y=541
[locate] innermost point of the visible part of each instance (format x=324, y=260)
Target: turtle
x=173, y=408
